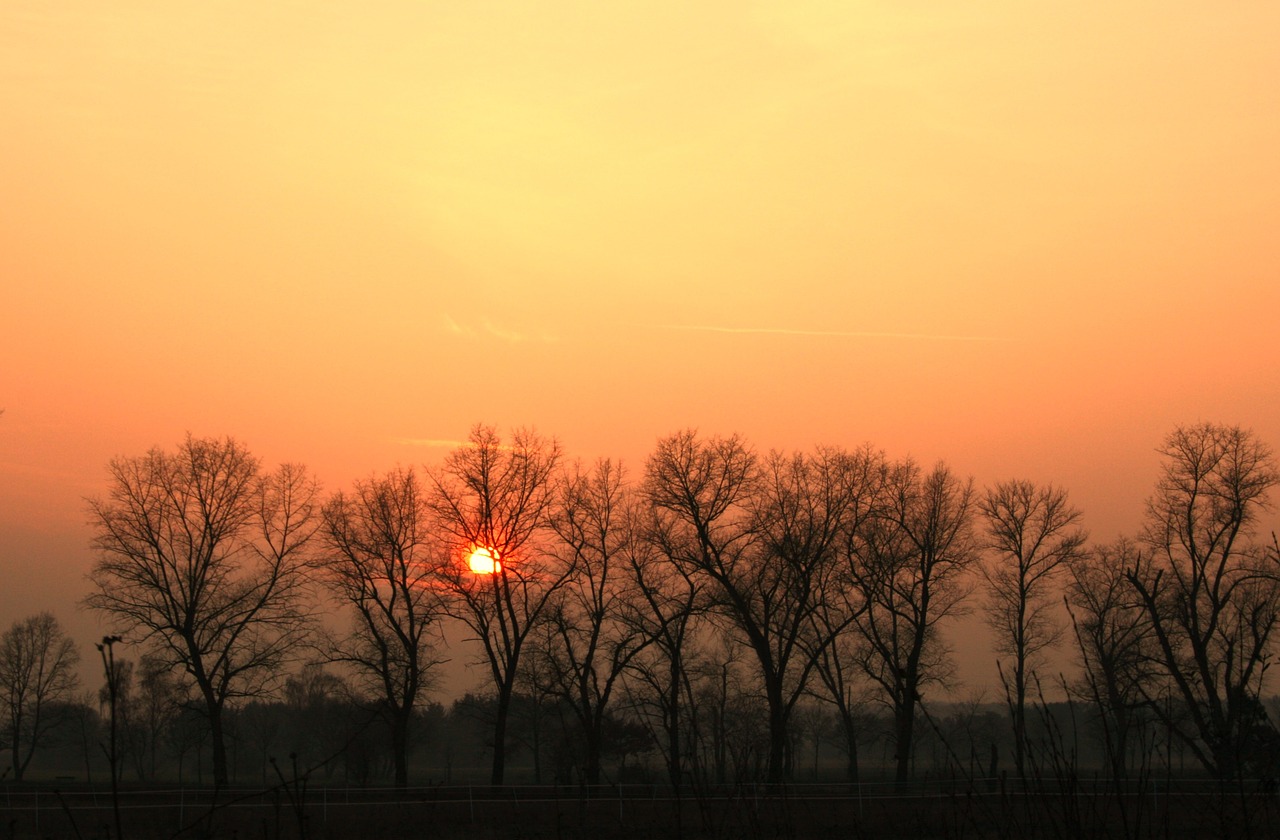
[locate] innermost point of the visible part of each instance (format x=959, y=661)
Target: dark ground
x=642, y=812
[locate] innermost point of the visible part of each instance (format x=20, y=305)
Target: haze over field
x=1027, y=240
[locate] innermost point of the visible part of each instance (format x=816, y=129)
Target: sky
x=1026, y=238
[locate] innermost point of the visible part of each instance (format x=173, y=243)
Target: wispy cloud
x=433, y=443
x=453, y=327
x=506, y=335
x=489, y=330
x=825, y=333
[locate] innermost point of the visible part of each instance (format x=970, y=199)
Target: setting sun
x=396, y=257
x=484, y=561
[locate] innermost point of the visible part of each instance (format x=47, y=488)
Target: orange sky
x=1028, y=238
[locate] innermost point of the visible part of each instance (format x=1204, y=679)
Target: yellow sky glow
x=1027, y=238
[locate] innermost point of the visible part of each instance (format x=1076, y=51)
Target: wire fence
x=295, y=809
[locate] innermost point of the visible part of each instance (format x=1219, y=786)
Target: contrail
x=826, y=333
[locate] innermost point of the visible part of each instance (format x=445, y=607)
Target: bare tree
x=1212, y=596
x=497, y=498
x=156, y=704
x=913, y=556
x=37, y=669
x=323, y=720
x=767, y=537
x=796, y=599
x=701, y=492
x=591, y=636
x=729, y=724
x=1031, y=531
x=843, y=685
x=381, y=558
x=670, y=601
x=1113, y=635
x=842, y=680
x=87, y=727
x=201, y=554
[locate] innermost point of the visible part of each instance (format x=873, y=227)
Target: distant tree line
x=727, y=614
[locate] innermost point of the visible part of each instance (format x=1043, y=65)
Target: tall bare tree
x=1113, y=636
x=670, y=601
x=591, y=635
x=37, y=669
x=701, y=493
x=1031, y=532
x=913, y=557
x=842, y=680
x=796, y=600
x=498, y=497
x=1211, y=594
x=381, y=558
x=201, y=554
x=766, y=535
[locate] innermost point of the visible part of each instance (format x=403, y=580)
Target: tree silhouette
x=766, y=535
x=1113, y=635
x=202, y=554
x=914, y=553
x=37, y=669
x=1031, y=532
x=1212, y=597
x=669, y=603
x=498, y=497
x=837, y=666
x=590, y=635
x=381, y=558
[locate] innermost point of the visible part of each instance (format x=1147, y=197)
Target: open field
x=937, y=810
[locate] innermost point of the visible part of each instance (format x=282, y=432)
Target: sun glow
x=484, y=561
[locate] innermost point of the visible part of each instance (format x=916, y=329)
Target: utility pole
x=107, y=649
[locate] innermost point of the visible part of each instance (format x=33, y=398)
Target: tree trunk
x=537, y=743
x=400, y=747
x=674, y=768
x=671, y=713
x=1120, y=747
x=1225, y=759
x=851, y=745
x=1020, y=719
x=221, y=778
x=904, y=727
x=778, y=752
x=500, y=734
x=594, y=738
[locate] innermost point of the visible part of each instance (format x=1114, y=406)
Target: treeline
x=316, y=728
x=699, y=616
